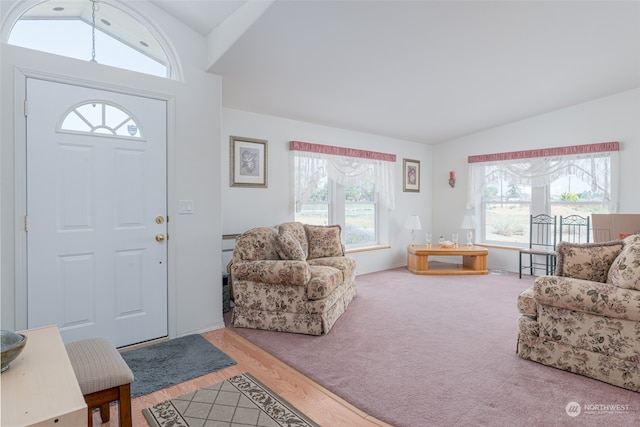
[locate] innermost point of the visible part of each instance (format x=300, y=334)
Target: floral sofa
x=292, y=278
x=586, y=318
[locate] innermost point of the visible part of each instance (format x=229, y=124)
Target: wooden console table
x=40, y=387
x=474, y=260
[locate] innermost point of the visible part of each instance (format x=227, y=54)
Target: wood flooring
x=313, y=400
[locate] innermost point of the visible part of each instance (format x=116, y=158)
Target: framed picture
x=411, y=175
x=248, y=167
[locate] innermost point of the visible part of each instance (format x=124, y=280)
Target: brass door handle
x=159, y=237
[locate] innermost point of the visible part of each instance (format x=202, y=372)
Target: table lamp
x=413, y=224
x=469, y=224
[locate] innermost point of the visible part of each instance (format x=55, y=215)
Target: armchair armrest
x=283, y=272
x=586, y=296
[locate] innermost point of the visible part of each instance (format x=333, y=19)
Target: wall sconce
x=452, y=179
x=413, y=224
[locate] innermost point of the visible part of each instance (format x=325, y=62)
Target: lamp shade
x=413, y=223
x=468, y=222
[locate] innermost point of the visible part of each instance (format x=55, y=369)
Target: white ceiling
x=425, y=71
x=200, y=15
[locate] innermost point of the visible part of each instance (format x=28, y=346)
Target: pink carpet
x=440, y=351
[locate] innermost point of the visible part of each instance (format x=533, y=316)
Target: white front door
x=96, y=213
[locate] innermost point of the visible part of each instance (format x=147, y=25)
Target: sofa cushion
x=324, y=280
x=297, y=230
x=625, y=270
x=324, y=241
x=288, y=247
x=343, y=263
x=587, y=261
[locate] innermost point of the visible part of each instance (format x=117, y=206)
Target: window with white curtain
x=349, y=187
x=506, y=188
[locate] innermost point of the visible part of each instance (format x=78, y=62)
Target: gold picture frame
x=248, y=162
x=411, y=175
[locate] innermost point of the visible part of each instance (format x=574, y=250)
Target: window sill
x=367, y=248
x=490, y=245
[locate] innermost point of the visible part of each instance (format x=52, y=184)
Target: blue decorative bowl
x=12, y=345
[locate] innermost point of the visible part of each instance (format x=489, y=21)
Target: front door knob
x=159, y=237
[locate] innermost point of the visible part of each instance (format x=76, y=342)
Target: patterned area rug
x=238, y=401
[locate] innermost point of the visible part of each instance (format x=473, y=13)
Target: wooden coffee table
x=474, y=260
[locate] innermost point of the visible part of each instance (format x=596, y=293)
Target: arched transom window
x=92, y=30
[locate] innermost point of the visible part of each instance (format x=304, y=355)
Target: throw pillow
x=587, y=261
x=297, y=231
x=288, y=247
x=324, y=241
x=625, y=270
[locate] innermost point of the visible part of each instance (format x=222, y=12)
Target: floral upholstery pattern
x=588, y=261
x=268, y=271
x=619, y=372
x=601, y=334
x=323, y=281
x=590, y=297
x=256, y=244
x=290, y=295
x=324, y=241
x=583, y=325
x=529, y=327
x=288, y=247
x=625, y=270
x=312, y=318
x=296, y=229
x=345, y=264
x=631, y=239
x=527, y=303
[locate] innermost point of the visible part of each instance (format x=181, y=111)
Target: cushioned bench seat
x=104, y=377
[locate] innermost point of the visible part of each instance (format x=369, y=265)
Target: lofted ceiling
x=425, y=71
x=200, y=15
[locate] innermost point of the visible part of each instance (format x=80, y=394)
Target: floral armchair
x=292, y=277
x=586, y=318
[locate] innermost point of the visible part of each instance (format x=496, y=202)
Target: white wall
x=614, y=118
x=195, y=295
x=199, y=131
x=244, y=208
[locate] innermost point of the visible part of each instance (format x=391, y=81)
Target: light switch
x=185, y=206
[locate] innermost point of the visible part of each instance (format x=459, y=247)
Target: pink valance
x=340, y=151
x=547, y=152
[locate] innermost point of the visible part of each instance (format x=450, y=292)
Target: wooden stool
x=104, y=377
